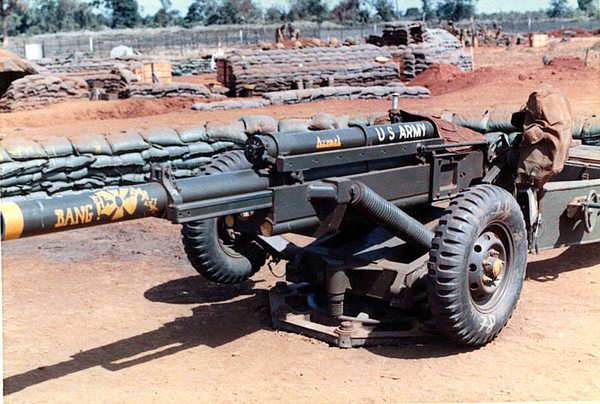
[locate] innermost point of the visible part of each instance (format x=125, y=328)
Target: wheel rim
x=227, y=239
x=491, y=266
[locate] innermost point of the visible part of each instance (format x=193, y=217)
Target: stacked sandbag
x=12, y=68
x=286, y=69
x=402, y=33
x=189, y=67
x=586, y=128
x=438, y=46
x=238, y=103
x=58, y=165
x=96, y=73
x=346, y=92
x=37, y=90
x=36, y=169
x=590, y=130
x=151, y=90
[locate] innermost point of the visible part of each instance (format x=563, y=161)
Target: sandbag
x=23, y=149
x=191, y=135
x=4, y=157
x=294, y=125
x=259, y=124
x=57, y=146
x=68, y=163
x=233, y=131
x=126, y=142
x=106, y=161
x=199, y=148
x=162, y=137
x=500, y=121
x=92, y=143
x=547, y=124
x=177, y=151
x=155, y=153
x=219, y=147
x=10, y=169
x=474, y=121
x=591, y=127
x=328, y=121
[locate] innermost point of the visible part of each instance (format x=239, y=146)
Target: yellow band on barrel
x=12, y=219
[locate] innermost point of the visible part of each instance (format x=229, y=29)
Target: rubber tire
x=205, y=248
x=468, y=216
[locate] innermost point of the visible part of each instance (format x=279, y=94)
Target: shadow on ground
x=203, y=327
x=573, y=258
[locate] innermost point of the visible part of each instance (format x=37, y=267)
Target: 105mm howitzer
x=408, y=227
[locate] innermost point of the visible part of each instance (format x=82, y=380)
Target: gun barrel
x=40, y=216
x=32, y=217
x=267, y=147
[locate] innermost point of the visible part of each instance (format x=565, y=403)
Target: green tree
x=456, y=10
x=200, y=11
x=413, y=12
x=235, y=12
x=165, y=16
x=308, y=10
x=56, y=15
x=275, y=14
x=123, y=13
x=589, y=6
x=6, y=7
x=558, y=8
x=427, y=9
x=383, y=9
x=350, y=11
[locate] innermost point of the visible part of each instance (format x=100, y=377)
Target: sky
x=486, y=6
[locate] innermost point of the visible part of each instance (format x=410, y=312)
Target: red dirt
x=207, y=79
x=566, y=63
x=437, y=76
x=117, y=314
x=570, y=32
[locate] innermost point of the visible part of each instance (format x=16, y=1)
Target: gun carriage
x=411, y=233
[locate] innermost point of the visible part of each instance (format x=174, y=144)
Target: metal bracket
x=331, y=198
x=588, y=207
x=162, y=174
x=290, y=315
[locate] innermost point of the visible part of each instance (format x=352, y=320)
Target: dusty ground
x=116, y=314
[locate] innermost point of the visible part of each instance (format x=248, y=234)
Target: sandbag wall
x=280, y=70
x=59, y=165
x=586, y=128
x=402, y=33
x=316, y=94
x=35, y=90
x=147, y=90
x=190, y=67
x=439, y=46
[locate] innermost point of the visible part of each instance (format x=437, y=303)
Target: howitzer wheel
x=218, y=253
x=477, y=264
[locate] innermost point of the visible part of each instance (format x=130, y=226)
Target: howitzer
x=407, y=227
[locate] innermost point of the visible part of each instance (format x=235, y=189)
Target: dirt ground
x=117, y=314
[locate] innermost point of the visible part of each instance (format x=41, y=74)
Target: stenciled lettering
x=391, y=132
x=328, y=143
x=74, y=216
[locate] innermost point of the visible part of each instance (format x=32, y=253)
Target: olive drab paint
x=31, y=217
x=392, y=133
x=113, y=205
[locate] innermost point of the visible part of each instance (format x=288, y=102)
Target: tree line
x=51, y=16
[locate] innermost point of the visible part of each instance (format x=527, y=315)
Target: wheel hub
x=486, y=267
